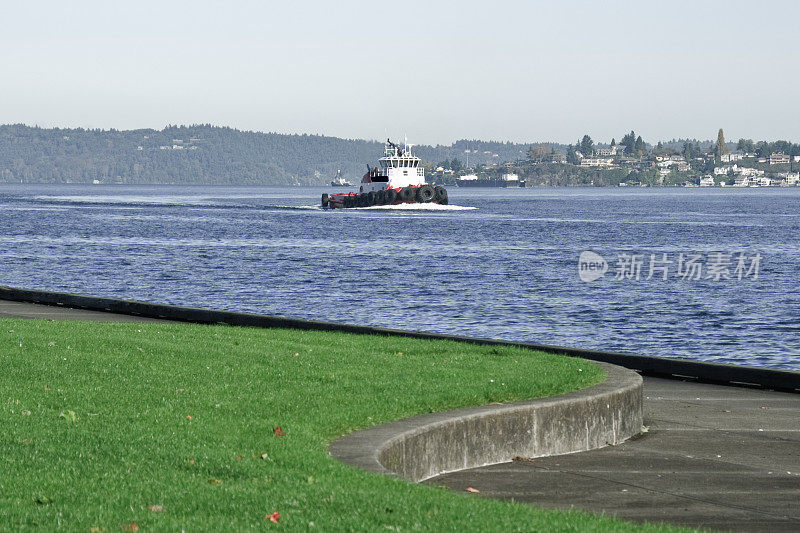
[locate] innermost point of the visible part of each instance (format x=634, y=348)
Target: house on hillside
x=611, y=150
x=596, y=162
x=731, y=157
x=779, y=158
x=745, y=171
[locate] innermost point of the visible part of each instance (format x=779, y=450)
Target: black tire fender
x=440, y=195
x=407, y=194
x=425, y=194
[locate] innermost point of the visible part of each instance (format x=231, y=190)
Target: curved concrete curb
x=426, y=446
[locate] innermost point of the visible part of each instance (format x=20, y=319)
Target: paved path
x=10, y=309
x=714, y=457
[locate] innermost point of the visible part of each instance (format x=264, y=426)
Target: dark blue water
x=506, y=268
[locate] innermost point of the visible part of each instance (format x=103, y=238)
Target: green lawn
x=170, y=426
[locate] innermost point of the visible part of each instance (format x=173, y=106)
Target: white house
x=612, y=150
x=596, y=162
x=731, y=157
x=707, y=181
x=722, y=171
x=666, y=165
x=744, y=171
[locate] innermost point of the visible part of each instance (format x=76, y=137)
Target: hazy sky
x=436, y=71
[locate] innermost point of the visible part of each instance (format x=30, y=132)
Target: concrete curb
x=426, y=446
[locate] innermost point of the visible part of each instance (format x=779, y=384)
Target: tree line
x=203, y=154
x=206, y=154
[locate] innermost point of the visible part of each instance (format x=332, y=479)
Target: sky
x=434, y=71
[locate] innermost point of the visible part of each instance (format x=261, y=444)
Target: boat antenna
x=399, y=150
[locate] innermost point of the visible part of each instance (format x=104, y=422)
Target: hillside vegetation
x=203, y=154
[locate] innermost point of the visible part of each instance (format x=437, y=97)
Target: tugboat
x=400, y=179
x=339, y=181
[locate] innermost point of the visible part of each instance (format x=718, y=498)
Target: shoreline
x=671, y=368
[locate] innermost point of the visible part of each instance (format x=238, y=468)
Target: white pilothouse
x=399, y=178
x=398, y=168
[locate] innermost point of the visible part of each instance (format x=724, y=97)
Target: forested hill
x=204, y=154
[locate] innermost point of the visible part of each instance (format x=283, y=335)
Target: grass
x=171, y=426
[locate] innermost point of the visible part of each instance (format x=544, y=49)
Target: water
x=497, y=263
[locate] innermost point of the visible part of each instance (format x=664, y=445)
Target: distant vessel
x=471, y=180
x=339, y=181
x=512, y=180
x=399, y=179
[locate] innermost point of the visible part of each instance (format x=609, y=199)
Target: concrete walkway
x=10, y=309
x=714, y=457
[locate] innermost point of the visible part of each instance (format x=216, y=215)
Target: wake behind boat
x=400, y=179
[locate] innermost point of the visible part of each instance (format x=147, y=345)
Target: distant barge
x=471, y=180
